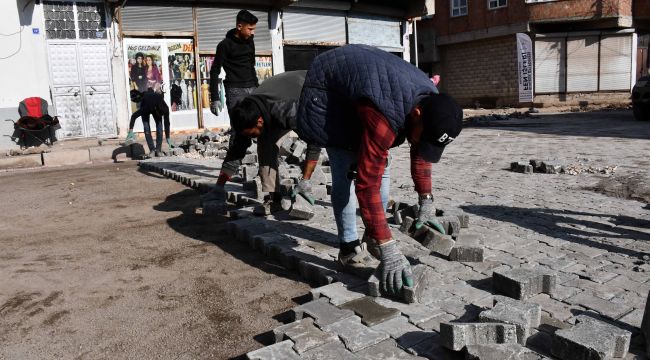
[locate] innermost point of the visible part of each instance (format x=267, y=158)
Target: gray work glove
x=304, y=189
x=395, y=270
x=217, y=194
x=427, y=216
x=215, y=107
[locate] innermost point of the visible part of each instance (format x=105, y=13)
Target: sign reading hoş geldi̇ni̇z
x=525, y=67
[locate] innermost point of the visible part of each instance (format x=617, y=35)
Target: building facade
x=84, y=57
x=584, y=50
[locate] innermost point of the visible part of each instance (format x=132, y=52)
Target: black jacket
x=237, y=57
x=277, y=99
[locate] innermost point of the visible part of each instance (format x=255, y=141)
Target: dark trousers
x=159, y=131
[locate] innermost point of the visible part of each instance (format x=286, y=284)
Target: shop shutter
x=615, y=62
x=582, y=64
x=384, y=33
x=550, y=65
x=214, y=23
x=141, y=17
x=310, y=26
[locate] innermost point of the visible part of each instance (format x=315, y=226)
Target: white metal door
x=97, y=94
x=66, y=88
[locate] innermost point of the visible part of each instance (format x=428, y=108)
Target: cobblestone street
x=596, y=245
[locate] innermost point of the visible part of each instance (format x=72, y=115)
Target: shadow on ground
x=563, y=224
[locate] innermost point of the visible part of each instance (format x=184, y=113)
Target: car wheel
x=641, y=112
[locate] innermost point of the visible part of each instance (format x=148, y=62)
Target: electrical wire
x=20, y=35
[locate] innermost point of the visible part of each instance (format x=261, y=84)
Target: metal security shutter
x=550, y=65
x=141, y=17
x=384, y=33
x=582, y=64
x=214, y=23
x=615, y=62
x=308, y=26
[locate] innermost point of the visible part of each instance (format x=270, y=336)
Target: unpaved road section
x=106, y=262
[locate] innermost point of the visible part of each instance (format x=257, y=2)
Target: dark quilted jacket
x=340, y=77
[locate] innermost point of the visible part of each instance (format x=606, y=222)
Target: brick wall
x=484, y=71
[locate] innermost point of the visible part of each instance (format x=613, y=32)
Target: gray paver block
x=211, y=208
x=591, y=339
x=304, y=335
x=301, y=209
x=355, y=335
x=455, y=336
x=500, y=352
x=416, y=313
x=604, y=307
x=330, y=351
x=451, y=224
x=406, y=225
x=337, y=293
x=280, y=351
x=370, y=312
x=467, y=253
x=322, y=312
x=525, y=316
x=396, y=327
x=438, y=243
x=413, y=293
x=645, y=325
x=522, y=283
x=386, y=350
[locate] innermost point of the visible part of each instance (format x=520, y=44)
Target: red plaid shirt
x=377, y=137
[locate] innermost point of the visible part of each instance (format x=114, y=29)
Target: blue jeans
x=344, y=200
x=147, y=132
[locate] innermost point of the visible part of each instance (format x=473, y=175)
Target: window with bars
x=458, y=7
x=74, y=20
x=496, y=4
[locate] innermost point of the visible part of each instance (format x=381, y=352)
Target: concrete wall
x=23, y=60
x=483, y=71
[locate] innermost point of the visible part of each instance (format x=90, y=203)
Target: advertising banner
x=525, y=67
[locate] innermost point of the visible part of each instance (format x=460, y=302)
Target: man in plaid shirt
x=358, y=102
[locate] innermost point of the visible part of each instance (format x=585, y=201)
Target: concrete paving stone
x=556, y=263
x=556, y=309
x=440, y=265
x=633, y=318
x=466, y=292
x=412, y=338
x=562, y=292
x=304, y=334
x=416, y=313
x=438, y=243
x=523, y=283
x=604, y=307
x=626, y=283
x=386, y=349
x=630, y=299
x=466, y=253
x=370, y=312
x=396, y=327
x=563, y=278
x=490, y=272
x=315, y=270
x=337, y=293
x=603, y=291
x=321, y=311
x=598, y=276
x=301, y=209
x=406, y=224
x=354, y=335
x=451, y=224
x=525, y=316
x=591, y=339
x=506, y=259
x=329, y=351
x=500, y=352
x=590, y=251
x=483, y=266
x=434, y=323
x=587, y=261
x=432, y=349
x=280, y=351
x=413, y=293
x=455, y=336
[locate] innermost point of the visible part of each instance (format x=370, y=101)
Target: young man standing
x=358, y=102
x=268, y=114
x=236, y=54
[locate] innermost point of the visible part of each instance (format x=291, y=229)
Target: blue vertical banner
x=525, y=67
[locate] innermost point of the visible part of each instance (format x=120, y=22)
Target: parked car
x=641, y=99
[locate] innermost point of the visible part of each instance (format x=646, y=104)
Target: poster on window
x=182, y=76
x=144, y=68
x=263, y=68
x=525, y=67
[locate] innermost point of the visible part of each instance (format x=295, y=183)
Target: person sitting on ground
x=268, y=114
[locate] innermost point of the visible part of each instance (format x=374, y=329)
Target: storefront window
x=182, y=74
x=144, y=68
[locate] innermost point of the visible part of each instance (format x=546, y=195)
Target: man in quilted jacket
x=358, y=102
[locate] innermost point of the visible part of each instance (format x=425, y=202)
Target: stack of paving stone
x=536, y=166
x=454, y=245
x=473, y=310
x=206, y=144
